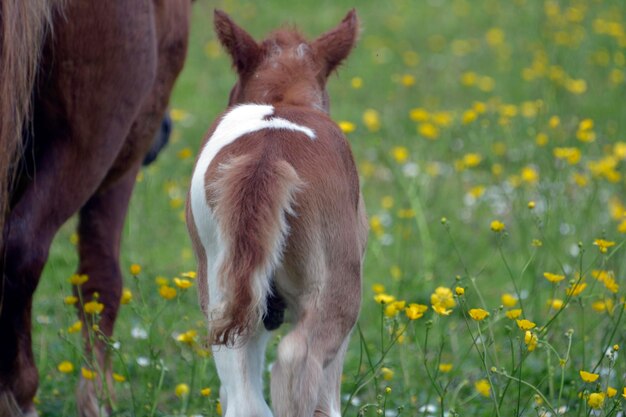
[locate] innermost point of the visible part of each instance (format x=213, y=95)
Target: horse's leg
x=309, y=360
x=84, y=111
x=329, y=401
x=240, y=371
x=100, y=230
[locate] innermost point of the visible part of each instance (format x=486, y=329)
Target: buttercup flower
x=181, y=390
x=88, y=373
x=483, y=387
x=77, y=279
x=415, y=311
x=497, y=226
x=135, y=269
x=93, y=307
x=525, y=324
x=553, y=277
x=588, y=376
x=65, y=367
x=478, y=314
x=596, y=400
x=514, y=314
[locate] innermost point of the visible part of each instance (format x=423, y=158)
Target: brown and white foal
x=277, y=221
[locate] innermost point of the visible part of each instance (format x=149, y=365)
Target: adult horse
x=83, y=88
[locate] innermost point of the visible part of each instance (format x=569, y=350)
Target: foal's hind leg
x=305, y=376
x=240, y=371
x=100, y=229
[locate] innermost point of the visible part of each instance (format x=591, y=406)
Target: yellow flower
x=611, y=392
x=596, y=400
x=118, y=377
x=76, y=327
x=400, y=154
x=525, y=324
x=386, y=373
x=530, y=339
x=407, y=80
x=65, y=367
x=472, y=159
x=88, y=373
x=459, y=291
x=576, y=289
x=571, y=155
x=415, y=311
x=553, y=277
x=181, y=390
x=442, y=300
x=555, y=303
x=93, y=307
x=205, y=392
x=441, y=310
x=603, y=245
x=218, y=408
x=135, y=269
x=167, y=292
x=529, y=175
x=127, y=296
x=624, y=394
x=531, y=205
x=497, y=226
x=182, y=283
x=428, y=130
x=184, y=154
x=189, y=274
x=469, y=116
x=392, y=309
x=508, y=300
x=554, y=122
x=347, y=127
x=189, y=337
x=445, y=367
x=70, y=300
x=588, y=376
x=478, y=314
x=483, y=387
x=378, y=288
x=77, y=279
x=384, y=298
x=371, y=119
x=419, y=114
x=514, y=314
x=356, y=82
x=161, y=280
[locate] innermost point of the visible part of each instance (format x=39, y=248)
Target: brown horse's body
x=103, y=80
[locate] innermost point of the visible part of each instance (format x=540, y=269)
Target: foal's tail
x=252, y=199
x=23, y=25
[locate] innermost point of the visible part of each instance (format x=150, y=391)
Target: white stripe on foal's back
x=239, y=121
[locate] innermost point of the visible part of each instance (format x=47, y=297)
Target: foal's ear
x=240, y=45
x=335, y=45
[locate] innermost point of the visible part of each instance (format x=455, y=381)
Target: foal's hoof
x=87, y=400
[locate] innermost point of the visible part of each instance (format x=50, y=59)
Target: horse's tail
x=23, y=25
x=252, y=198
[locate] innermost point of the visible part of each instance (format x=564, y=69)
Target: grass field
x=490, y=141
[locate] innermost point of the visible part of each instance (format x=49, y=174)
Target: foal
x=277, y=220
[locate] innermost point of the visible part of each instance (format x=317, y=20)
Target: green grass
x=528, y=60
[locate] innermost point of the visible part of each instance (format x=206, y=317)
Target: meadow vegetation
x=490, y=138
